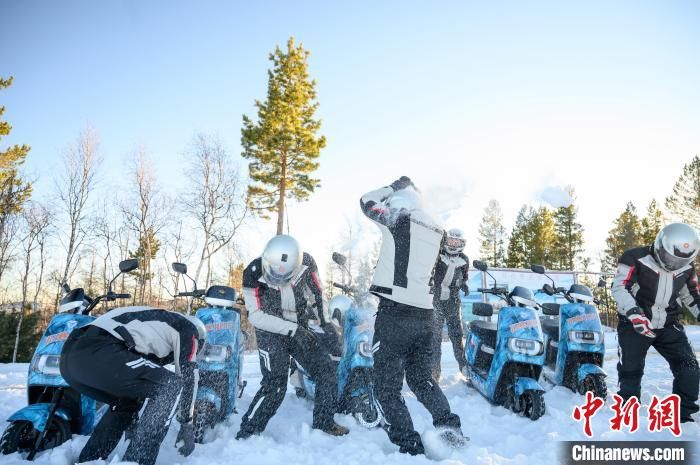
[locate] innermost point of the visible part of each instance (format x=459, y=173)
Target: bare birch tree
x=216, y=198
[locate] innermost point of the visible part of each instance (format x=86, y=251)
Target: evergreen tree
x=568, y=235
x=684, y=203
x=518, y=247
x=29, y=335
x=282, y=145
x=492, y=235
x=625, y=234
x=652, y=223
x=542, y=239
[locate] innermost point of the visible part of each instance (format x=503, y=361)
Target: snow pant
x=448, y=311
x=403, y=338
x=99, y=365
x=275, y=351
x=672, y=344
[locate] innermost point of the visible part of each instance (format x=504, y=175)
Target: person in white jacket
x=411, y=243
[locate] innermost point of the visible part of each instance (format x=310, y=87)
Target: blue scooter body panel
x=223, y=329
x=38, y=414
x=358, y=333
x=523, y=384
x=513, y=322
x=576, y=317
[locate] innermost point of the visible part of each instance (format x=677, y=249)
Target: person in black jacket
x=119, y=359
x=403, y=333
x=451, y=276
x=651, y=287
x=282, y=293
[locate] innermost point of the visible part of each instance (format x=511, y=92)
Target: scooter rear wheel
x=368, y=416
x=595, y=384
x=20, y=436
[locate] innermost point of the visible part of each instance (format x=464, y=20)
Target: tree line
x=84, y=226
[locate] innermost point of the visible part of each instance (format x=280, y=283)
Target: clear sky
x=473, y=100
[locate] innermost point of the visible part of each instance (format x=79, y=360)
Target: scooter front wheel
x=368, y=415
x=20, y=436
x=204, y=420
x=595, y=384
x=531, y=404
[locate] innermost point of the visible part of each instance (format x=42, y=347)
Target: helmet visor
x=455, y=244
x=277, y=277
x=672, y=262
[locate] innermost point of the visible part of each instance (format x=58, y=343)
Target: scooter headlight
x=214, y=353
x=47, y=364
x=525, y=346
x=364, y=348
x=585, y=337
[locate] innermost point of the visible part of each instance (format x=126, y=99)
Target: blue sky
x=474, y=100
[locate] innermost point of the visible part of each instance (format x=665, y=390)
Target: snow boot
x=452, y=437
x=335, y=430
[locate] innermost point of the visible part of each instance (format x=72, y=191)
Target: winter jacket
x=281, y=309
x=451, y=275
x=410, y=247
x=162, y=337
x=641, y=282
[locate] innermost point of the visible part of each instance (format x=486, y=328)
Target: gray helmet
x=676, y=246
x=522, y=297
x=281, y=258
x=455, y=241
x=406, y=200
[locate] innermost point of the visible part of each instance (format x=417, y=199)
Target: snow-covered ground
x=497, y=436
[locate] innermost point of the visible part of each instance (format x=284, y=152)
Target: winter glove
x=402, y=183
x=640, y=322
x=186, y=437
x=306, y=339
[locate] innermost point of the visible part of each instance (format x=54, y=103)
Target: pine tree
x=684, y=203
x=568, y=235
x=282, y=145
x=624, y=235
x=652, y=223
x=492, y=235
x=14, y=189
x=542, y=239
x=518, y=247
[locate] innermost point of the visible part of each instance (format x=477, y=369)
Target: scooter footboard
x=38, y=415
x=523, y=384
x=589, y=369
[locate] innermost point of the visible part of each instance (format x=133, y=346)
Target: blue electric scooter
x=355, y=366
x=55, y=411
x=505, y=359
x=220, y=383
x=573, y=335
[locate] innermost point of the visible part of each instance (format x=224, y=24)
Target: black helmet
x=522, y=297
x=220, y=296
x=581, y=294
x=75, y=301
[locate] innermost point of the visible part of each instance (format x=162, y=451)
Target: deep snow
x=497, y=435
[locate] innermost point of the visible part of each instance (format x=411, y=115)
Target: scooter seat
x=550, y=326
x=486, y=331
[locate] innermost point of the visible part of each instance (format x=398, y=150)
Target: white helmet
x=341, y=303
x=281, y=258
x=455, y=241
x=201, y=331
x=676, y=246
x=406, y=200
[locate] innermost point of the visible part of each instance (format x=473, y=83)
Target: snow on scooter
x=55, y=411
x=220, y=383
x=355, y=380
x=505, y=359
x=573, y=335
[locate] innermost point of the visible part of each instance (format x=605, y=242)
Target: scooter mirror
x=601, y=282
x=179, y=268
x=548, y=289
x=128, y=265
x=539, y=269
x=339, y=258
x=479, y=265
